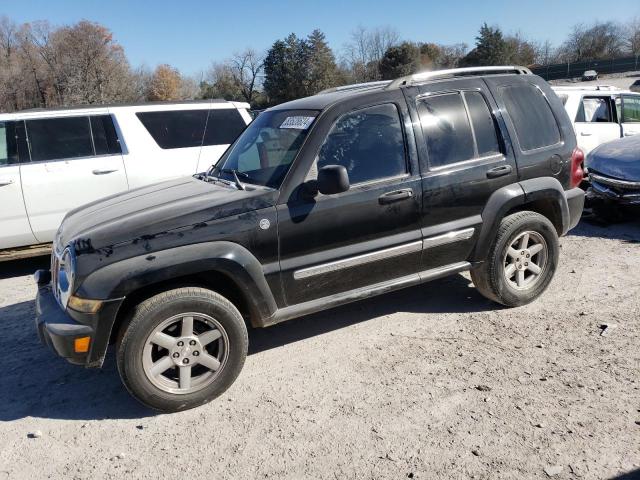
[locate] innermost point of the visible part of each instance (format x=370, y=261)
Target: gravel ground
x=618, y=80
x=429, y=382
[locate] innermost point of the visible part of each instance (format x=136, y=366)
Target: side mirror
x=333, y=179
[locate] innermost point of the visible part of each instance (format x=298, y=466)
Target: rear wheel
x=182, y=348
x=521, y=262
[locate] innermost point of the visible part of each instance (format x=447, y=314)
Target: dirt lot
x=430, y=382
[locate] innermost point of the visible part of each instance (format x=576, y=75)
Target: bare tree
x=632, y=36
x=363, y=53
x=601, y=40
x=245, y=68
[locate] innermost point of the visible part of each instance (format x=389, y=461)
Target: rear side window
x=535, y=124
x=223, y=126
x=446, y=128
x=175, y=128
x=105, y=139
x=58, y=138
x=595, y=110
x=483, y=124
x=631, y=108
x=369, y=143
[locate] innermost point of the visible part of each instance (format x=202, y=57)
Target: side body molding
x=231, y=259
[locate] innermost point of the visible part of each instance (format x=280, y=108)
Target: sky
x=190, y=34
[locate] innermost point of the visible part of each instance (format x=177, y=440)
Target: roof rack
x=456, y=72
x=355, y=86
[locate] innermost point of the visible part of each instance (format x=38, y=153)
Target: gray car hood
x=157, y=208
x=619, y=159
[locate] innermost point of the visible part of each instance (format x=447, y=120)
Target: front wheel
x=521, y=262
x=182, y=348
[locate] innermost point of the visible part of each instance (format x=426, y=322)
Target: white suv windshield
x=264, y=152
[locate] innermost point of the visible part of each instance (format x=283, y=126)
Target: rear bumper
x=575, y=202
x=59, y=329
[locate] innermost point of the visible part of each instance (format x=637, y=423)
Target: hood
x=157, y=208
x=619, y=159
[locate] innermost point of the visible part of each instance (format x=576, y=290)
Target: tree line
x=46, y=66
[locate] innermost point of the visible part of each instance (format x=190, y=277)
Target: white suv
x=52, y=161
x=600, y=113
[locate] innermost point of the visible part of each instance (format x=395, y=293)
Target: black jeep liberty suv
x=350, y=193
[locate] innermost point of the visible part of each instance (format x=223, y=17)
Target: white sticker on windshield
x=298, y=123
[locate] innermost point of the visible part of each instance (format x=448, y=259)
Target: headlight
x=66, y=276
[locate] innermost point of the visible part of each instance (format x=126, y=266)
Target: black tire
x=489, y=277
x=148, y=315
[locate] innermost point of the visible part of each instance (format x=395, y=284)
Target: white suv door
x=16, y=230
x=630, y=114
x=596, y=122
x=74, y=161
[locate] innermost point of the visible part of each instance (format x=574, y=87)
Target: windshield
x=264, y=152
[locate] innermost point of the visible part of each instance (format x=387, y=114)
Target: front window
x=264, y=152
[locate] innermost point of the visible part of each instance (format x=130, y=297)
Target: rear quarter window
x=223, y=126
x=533, y=120
x=175, y=128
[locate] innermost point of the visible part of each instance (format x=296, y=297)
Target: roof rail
x=585, y=87
x=355, y=86
x=455, y=72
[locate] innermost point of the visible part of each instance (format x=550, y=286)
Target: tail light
x=577, y=173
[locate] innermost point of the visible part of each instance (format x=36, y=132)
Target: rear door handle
x=584, y=134
x=499, y=171
x=97, y=171
x=4, y=182
x=395, y=196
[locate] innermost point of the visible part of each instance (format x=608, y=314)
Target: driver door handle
x=5, y=181
x=395, y=196
x=98, y=171
x=499, y=171
x=585, y=134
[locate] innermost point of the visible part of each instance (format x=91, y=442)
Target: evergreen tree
x=285, y=69
x=399, y=61
x=491, y=48
x=322, y=69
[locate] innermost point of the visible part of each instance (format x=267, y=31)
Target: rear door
x=222, y=128
x=74, y=161
x=15, y=231
x=630, y=114
x=596, y=121
x=465, y=155
x=370, y=234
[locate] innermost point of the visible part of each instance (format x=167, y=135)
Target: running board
x=336, y=300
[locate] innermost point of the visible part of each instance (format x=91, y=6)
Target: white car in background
x=52, y=161
x=601, y=113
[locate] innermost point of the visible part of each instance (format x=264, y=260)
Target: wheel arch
x=224, y=267
x=543, y=195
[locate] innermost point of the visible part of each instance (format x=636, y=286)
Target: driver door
x=330, y=244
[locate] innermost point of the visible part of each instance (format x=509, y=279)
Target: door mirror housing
x=333, y=179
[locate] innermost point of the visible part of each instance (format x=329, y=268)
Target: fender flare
x=512, y=196
x=120, y=279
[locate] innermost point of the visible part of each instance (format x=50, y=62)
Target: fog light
x=84, y=305
x=81, y=344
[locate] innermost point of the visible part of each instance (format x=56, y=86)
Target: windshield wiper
x=234, y=172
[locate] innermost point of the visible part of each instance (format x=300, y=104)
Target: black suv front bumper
x=59, y=329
